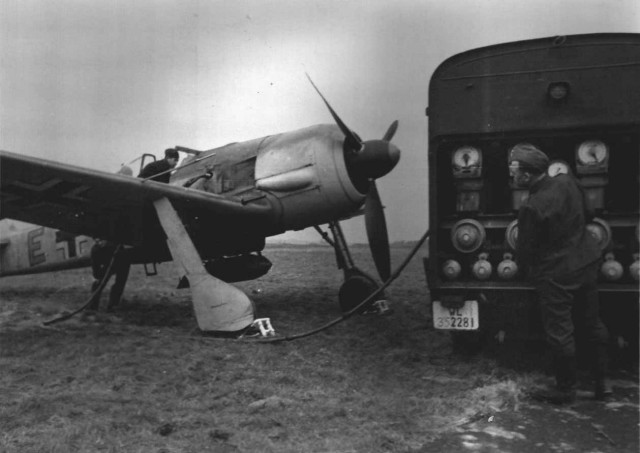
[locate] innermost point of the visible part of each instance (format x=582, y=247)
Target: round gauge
x=451, y=269
x=466, y=156
x=467, y=235
x=592, y=152
x=558, y=167
x=511, y=234
x=600, y=231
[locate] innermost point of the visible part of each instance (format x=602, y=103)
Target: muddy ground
x=144, y=380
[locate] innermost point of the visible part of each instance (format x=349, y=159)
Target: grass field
x=144, y=380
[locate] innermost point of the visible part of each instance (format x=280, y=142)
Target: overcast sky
x=96, y=83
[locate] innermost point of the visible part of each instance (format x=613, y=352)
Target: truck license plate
x=463, y=318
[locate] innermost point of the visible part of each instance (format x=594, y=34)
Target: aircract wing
x=113, y=206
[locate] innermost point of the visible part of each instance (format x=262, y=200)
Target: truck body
x=577, y=98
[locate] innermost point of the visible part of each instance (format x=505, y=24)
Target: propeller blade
x=352, y=141
x=391, y=131
x=377, y=232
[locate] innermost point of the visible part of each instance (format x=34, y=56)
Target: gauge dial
x=558, y=167
x=592, y=152
x=466, y=157
x=600, y=231
x=467, y=235
x=511, y=234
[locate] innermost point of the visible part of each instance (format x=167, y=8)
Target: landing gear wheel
x=354, y=290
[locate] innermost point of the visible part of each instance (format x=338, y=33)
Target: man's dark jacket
x=154, y=168
x=552, y=237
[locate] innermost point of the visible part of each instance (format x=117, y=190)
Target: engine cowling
x=308, y=176
x=307, y=168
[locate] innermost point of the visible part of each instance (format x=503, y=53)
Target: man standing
x=561, y=259
x=103, y=255
x=159, y=167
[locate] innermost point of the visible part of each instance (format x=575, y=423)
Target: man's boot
x=564, y=391
x=602, y=389
x=114, y=299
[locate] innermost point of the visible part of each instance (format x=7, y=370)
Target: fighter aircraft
x=213, y=216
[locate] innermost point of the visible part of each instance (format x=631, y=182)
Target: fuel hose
x=355, y=309
x=98, y=290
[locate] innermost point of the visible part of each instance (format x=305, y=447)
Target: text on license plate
x=462, y=318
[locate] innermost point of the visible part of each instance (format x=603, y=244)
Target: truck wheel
x=468, y=343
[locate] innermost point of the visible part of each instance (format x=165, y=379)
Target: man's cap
x=171, y=153
x=530, y=156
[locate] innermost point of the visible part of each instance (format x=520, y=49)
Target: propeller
x=376, y=227
x=366, y=161
x=352, y=141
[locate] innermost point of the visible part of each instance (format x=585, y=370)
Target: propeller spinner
x=366, y=161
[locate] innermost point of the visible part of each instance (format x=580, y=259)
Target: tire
x=468, y=343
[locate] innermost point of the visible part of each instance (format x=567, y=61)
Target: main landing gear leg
x=219, y=307
x=357, y=285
